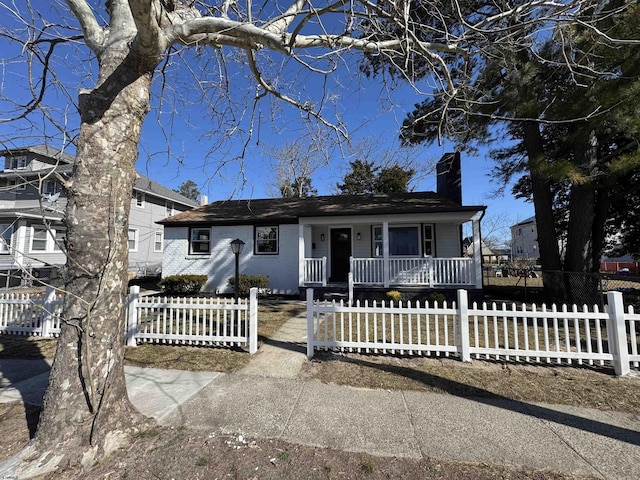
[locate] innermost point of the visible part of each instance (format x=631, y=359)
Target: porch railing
x=428, y=271
x=315, y=271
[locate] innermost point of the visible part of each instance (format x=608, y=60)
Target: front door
x=340, y=254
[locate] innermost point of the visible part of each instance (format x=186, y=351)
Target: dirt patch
x=179, y=453
x=582, y=387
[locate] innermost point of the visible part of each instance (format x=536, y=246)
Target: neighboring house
x=524, y=239
x=32, y=206
x=489, y=255
x=383, y=241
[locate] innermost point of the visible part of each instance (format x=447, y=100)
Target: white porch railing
x=428, y=271
x=315, y=271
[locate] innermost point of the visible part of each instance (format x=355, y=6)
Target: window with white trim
x=200, y=241
x=50, y=187
x=140, y=199
x=404, y=240
x=132, y=236
x=18, y=162
x=169, y=209
x=429, y=241
x=17, y=183
x=39, y=239
x=158, y=241
x=60, y=238
x=266, y=240
x=6, y=231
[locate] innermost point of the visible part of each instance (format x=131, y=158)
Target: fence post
x=617, y=334
x=132, y=316
x=48, y=307
x=324, y=271
x=463, y=324
x=253, y=320
x=310, y=335
x=350, y=278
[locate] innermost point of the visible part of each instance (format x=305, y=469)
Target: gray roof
x=289, y=210
x=44, y=150
x=525, y=221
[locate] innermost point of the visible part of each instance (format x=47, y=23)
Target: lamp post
x=236, y=247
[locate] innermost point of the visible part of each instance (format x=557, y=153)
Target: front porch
x=416, y=251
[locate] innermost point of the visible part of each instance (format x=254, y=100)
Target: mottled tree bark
x=88, y=412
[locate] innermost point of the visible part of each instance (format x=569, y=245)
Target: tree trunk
x=86, y=411
x=543, y=206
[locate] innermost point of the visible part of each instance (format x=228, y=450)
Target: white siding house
x=402, y=240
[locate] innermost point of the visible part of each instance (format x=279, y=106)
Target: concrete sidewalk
x=267, y=400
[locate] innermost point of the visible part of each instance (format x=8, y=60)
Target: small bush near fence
x=247, y=282
x=183, y=284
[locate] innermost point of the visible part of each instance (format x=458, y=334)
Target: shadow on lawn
x=22, y=365
x=489, y=398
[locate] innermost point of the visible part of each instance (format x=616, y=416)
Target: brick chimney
x=449, y=177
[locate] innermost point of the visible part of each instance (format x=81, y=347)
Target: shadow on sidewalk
x=21, y=360
x=489, y=398
x=297, y=347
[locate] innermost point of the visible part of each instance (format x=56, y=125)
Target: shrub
x=394, y=296
x=246, y=282
x=436, y=297
x=185, y=284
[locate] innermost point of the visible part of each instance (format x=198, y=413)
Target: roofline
x=295, y=220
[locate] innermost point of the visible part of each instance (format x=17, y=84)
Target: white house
x=524, y=239
x=408, y=240
x=32, y=205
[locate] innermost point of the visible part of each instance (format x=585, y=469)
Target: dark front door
x=340, y=253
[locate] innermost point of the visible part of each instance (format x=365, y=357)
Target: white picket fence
x=171, y=321
x=193, y=320
x=30, y=314
x=492, y=332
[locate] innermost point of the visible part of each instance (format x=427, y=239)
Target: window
x=18, y=163
x=17, y=183
x=200, y=241
x=139, y=196
x=39, y=239
x=429, y=241
x=404, y=241
x=266, y=240
x=6, y=231
x=50, y=187
x=61, y=237
x=168, y=206
x=133, y=239
x=158, y=240
x=377, y=241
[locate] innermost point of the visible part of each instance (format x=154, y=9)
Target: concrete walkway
x=267, y=400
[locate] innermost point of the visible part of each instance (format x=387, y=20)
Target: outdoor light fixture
x=236, y=247
x=322, y=237
x=358, y=236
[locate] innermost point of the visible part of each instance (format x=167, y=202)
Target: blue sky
x=209, y=133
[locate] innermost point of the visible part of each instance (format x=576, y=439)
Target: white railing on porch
x=494, y=332
x=427, y=271
x=315, y=271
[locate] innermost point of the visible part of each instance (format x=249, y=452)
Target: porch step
x=329, y=296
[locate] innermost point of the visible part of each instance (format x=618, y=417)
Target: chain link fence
x=528, y=284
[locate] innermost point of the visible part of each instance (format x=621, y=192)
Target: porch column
x=385, y=253
x=301, y=229
x=477, y=252
x=20, y=245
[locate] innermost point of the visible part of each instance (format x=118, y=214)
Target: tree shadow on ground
x=25, y=370
x=486, y=397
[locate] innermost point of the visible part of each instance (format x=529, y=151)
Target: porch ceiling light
x=236, y=246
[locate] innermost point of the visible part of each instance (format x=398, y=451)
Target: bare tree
x=294, y=163
x=114, y=55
